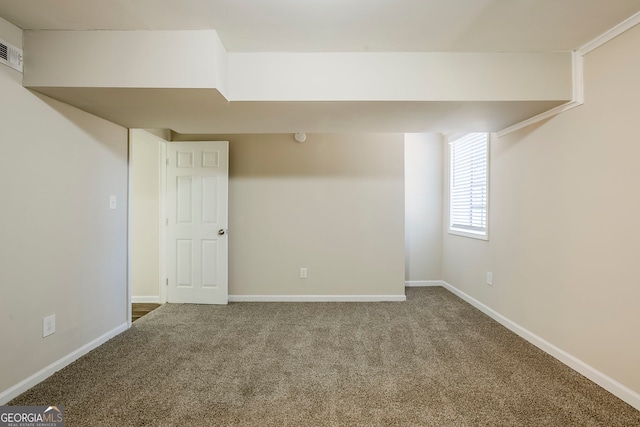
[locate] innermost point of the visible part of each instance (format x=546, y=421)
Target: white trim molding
x=610, y=34
x=422, y=283
x=578, y=74
x=316, y=298
x=129, y=222
x=603, y=380
x=47, y=371
x=162, y=229
x=577, y=98
x=153, y=299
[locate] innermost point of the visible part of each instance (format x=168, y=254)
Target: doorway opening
x=178, y=216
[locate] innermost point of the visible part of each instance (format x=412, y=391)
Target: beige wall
x=423, y=206
x=563, y=244
x=62, y=251
x=145, y=158
x=334, y=204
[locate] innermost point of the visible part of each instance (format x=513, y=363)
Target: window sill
x=469, y=234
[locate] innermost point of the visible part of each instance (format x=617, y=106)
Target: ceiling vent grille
x=10, y=55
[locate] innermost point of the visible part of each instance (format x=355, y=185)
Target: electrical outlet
x=303, y=272
x=489, y=278
x=48, y=325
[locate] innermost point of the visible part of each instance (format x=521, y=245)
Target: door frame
x=162, y=218
x=162, y=224
x=162, y=214
x=128, y=311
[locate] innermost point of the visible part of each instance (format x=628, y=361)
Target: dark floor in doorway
x=139, y=309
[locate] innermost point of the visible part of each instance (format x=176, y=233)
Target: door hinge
x=167, y=282
x=167, y=161
x=166, y=221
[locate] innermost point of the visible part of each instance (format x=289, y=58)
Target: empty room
x=320, y=213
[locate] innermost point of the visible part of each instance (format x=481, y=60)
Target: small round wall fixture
x=300, y=136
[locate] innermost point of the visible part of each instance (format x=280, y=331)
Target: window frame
x=480, y=235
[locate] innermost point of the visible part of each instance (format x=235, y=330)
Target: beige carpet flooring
x=431, y=361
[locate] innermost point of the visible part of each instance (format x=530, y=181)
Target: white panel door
x=197, y=199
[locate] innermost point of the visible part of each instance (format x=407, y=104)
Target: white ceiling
x=324, y=26
x=343, y=25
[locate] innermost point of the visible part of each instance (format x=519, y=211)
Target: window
x=468, y=187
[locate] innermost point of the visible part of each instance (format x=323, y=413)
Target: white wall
x=334, y=204
x=423, y=206
x=564, y=203
x=400, y=76
x=125, y=59
x=145, y=158
x=197, y=59
x=62, y=251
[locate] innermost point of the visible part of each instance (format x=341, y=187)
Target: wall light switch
x=112, y=202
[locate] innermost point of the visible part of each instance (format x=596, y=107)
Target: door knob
x=221, y=232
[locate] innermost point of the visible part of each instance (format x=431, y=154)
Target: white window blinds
x=468, y=191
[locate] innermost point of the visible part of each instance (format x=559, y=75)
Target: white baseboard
x=422, y=283
x=148, y=299
x=316, y=298
x=612, y=386
x=46, y=372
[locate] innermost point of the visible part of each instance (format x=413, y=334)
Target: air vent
x=10, y=55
